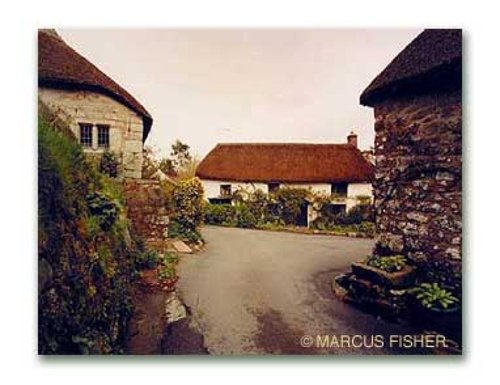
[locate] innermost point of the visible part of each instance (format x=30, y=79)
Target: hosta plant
x=433, y=296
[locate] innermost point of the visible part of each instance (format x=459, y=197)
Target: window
x=102, y=136
x=225, y=190
x=339, y=189
x=86, y=134
x=273, y=187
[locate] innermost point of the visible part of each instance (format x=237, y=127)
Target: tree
x=180, y=154
x=167, y=166
x=149, y=162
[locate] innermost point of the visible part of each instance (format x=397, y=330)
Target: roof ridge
x=53, y=71
x=347, y=145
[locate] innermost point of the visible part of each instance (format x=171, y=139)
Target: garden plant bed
x=398, y=279
x=307, y=231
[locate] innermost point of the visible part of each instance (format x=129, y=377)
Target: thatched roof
x=60, y=66
x=432, y=62
x=285, y=162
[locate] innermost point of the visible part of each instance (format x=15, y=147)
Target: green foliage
x=167, y=268
x=186, y=204
x=390, y=264
x=433, y=296
x=109, y=164
x=222, y=214
x=445, y=274
x=244, y=217
x=103, y=208
x=147, y=259
x=180, y=154
x=289, y=202
x=256, y=209
x=84, y=296
x=258, y=203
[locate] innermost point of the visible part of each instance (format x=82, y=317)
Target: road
x=260, y=292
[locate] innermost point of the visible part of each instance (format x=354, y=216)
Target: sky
x=209, y=86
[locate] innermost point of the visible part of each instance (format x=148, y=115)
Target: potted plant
x=391, y=271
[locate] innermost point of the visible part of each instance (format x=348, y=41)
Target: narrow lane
x=260, y=292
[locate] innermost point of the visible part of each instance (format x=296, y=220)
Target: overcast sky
x=208, y=86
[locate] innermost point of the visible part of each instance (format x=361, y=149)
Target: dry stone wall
x=146, y=209
x=417, y=188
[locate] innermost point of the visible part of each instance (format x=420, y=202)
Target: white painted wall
x=355, y=190
x=212, y=189
x=126, y=126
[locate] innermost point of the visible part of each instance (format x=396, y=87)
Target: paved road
x=259, y=292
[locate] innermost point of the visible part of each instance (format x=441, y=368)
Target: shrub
x=258, y=203
x=186, y=205
x=146, y=259
x=109, y=164
x=103, y=208
x=289, y=202
x=167, y=268
x=445, y=274
x=84, y=300
x=244, y=217
x=218, y=214
x=367, y=228
x=355, y=216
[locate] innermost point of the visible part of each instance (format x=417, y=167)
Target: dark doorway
x=302, y=217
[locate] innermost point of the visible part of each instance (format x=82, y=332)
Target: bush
x=84, y=299
x=103, y=208
x=186, y=205
x=221, y=214
x=289, y=202
x=109, y=164
x=244, y=217
x=168, y=263
x=147, y=259
x=258, y=204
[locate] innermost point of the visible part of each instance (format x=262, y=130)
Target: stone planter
x=446, y=321
x=398, y=279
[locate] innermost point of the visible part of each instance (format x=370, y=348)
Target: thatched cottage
x=417, y=101
x=102, y=115
x=329, y=169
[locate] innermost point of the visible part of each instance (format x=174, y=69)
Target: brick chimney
x=352, y=139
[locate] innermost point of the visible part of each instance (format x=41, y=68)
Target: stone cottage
x=339, y=170
x=417, y=101
x=102, y=115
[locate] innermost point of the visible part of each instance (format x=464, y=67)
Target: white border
x=19, y=21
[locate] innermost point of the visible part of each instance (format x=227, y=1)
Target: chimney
x=352, y=139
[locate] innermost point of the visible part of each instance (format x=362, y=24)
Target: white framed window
x=225, y=190
x=339, y=189
x=102, y=136
x=86, y=134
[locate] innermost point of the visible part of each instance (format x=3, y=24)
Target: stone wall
x=126, y=127
x=418, y=188
x=146, y=209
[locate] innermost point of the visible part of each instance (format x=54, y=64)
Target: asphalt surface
x=261, y=292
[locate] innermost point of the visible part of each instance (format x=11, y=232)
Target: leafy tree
x=180, y=154
x=167, y=166
x=149, y=162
